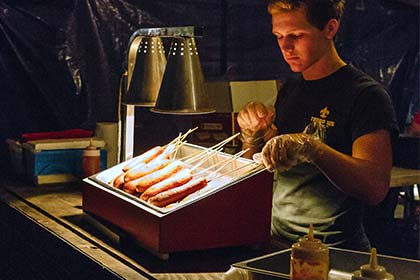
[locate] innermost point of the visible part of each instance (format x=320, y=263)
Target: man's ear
x=331, y=28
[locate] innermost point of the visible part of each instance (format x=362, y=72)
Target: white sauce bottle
x=309, y=258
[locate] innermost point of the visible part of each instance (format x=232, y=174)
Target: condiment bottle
x=309, y=258
x=91, y=162
x=372, y=270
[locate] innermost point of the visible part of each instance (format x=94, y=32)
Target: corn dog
x=131, y=189
x=176, y=180
x=144, y=158
x=142, y=183
x=119, y=181
x=145, y=169
x=172, y=195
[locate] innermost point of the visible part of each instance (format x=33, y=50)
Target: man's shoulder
x=358, y=77
x=357, y=82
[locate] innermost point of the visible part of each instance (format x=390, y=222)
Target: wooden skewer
x=226, y=163
x=205, y=157
x=220, y=162
x=179, y=141
x=181, y=136
x=188, y=132
x=193, y=157
x=256, y=166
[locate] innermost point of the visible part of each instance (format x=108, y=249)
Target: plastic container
x=372, y=270
x=91, y=160
x=309, y=258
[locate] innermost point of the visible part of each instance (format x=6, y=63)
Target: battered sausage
x=144, y=158
x=145, y=169
x=143, y=183
x=128, y=188
x=174, y=181
x=119, y=181
x=164, y=198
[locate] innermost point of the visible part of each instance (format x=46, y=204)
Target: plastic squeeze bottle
x=309, y=258
x=372, y=270
x=91, y=162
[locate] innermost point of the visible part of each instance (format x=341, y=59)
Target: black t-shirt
x=350, y=104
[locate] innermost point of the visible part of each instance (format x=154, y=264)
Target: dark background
x=61, y=61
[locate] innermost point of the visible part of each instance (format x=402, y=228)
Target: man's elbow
x=378, y=195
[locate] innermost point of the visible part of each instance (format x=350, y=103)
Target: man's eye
x=295, y=36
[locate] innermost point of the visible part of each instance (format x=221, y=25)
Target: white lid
x=91, y=153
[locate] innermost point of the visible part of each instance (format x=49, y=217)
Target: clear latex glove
x=285, y=151
x=255, y=119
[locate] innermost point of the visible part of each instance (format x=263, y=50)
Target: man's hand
x=287, y=150
x=254, y=120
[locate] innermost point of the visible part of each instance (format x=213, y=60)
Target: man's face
x=303, y=45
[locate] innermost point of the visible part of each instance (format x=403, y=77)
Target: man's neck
x=326, y=66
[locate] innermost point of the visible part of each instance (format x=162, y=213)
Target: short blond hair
x=318, y=12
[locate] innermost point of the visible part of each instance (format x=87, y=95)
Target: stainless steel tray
x=232, y=170
x=342, y=264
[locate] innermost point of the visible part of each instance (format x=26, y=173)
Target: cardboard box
x=243, y=92
x=228, y=98
x=231, y=96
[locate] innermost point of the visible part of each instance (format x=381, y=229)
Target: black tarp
x=61, y=61
x=382, y=38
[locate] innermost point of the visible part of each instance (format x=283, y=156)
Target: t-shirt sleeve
x=373, y=110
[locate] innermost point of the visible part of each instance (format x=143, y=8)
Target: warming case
x=234, y=209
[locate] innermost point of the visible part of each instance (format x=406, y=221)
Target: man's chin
x=295, y=68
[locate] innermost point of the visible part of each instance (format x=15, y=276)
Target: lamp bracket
x=177, y=31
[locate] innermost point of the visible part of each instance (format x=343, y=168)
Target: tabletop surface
x=402, y=177
x=58, y=209
x=344, y=261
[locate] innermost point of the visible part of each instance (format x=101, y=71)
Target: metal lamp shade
x=145, y=78
x=182, y=89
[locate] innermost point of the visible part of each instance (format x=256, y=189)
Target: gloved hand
x=287, y=150
x=255, y=119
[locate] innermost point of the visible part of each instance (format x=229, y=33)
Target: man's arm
x=364, y=175
x=256, y=123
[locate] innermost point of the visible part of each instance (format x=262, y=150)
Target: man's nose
x=286, y=45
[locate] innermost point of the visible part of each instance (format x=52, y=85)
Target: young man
x=323, y=182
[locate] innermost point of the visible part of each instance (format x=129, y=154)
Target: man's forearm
x=364, y=179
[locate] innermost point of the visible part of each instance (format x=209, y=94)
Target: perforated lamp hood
x=182, y=90
x=146, y=66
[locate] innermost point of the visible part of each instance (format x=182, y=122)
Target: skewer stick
x=179, y=141
x=226, y=163
x=205, y=157
x=256, y=166
x=219, y=162
x=188, y=132
x=193, y=157
x=181, y=137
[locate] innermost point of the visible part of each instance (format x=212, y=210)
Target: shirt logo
x=324, y=113
x=322, y=119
